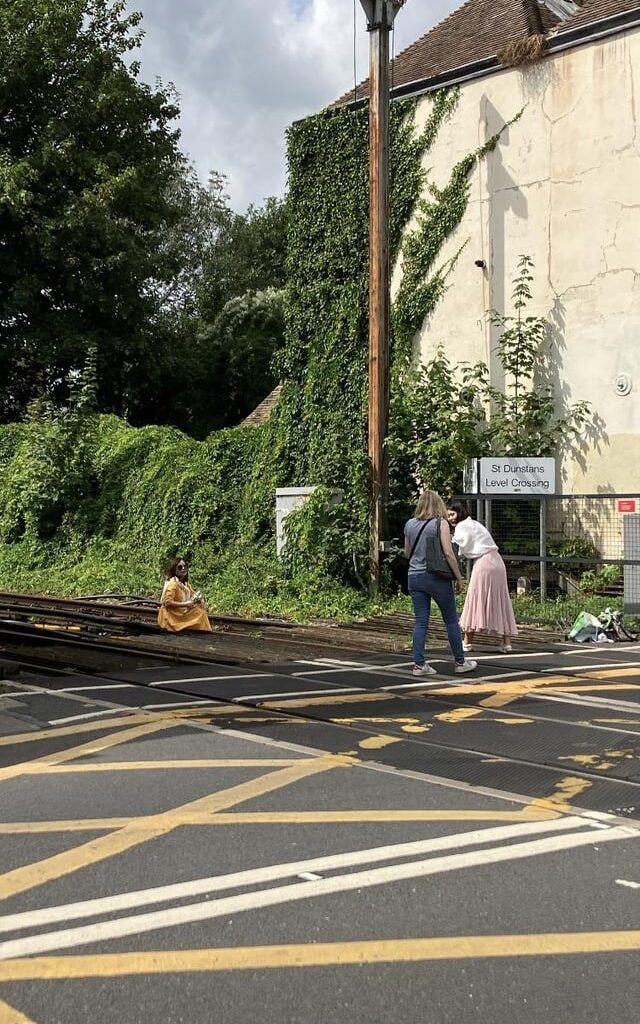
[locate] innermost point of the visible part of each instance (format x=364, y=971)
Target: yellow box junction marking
x=94, y=746
x=269, y=818
x=140, y=830
x=149, y=766
x=321, y=954
x=10, y=1016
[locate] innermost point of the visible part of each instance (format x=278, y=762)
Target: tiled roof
x=481, y=29
x=596, y=10
x=263, y=411
x=476, y=31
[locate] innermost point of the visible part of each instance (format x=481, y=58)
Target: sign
x=626, y=505
x=507, y=474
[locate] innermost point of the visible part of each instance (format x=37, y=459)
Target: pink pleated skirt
x=487, y=607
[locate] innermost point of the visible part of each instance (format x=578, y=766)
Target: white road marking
x=271, y=872
x=429, y=680
x=141, y=923
x=91, y=714
x=586, y=700
x=177, y=704
x=355, y=667
x=309, y=876
x=207, y=679
x=501, y=657
x=328, y=691
x=630, y=885
x=594, y=666
x=96, y=686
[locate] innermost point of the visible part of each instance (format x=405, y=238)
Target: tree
x=88, y=161
x=249, y=255
x=523, y=419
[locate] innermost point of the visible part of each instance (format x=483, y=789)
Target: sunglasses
x=182, y=566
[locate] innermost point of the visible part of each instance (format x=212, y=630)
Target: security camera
x=481, y=264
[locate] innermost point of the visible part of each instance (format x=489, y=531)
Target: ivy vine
x=154, y=491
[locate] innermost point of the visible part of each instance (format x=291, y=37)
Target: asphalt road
x=324, y=841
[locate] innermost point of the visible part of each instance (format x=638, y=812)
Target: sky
x=246, y=69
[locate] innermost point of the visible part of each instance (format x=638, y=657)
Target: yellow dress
x=177, y=619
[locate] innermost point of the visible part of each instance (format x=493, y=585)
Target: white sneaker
x=424, y=670
x=467, y=666
x=466, y=646
x=505, y=648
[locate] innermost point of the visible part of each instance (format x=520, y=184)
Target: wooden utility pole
x=380, y=17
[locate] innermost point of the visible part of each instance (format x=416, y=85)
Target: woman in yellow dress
x=181, y=607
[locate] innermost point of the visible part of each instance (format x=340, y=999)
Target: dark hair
x=173, y=565
x=460, y=509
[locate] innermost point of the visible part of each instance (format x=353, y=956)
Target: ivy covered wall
x=88, y=503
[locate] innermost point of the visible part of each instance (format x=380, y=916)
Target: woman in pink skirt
x=487, y=607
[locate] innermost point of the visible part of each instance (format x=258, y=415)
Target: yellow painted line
x=458, y=715
x=8, y=1015
x=321, y=954
x=607, y=673
x=94, y=746
x=141, y=830
x=72, y=730
x=149, y=766
x=377, y=742
x=566, y=790
x=265, y=818
x=512, y=721
x=308, y=702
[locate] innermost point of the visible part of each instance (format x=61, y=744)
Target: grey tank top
x=412, y=528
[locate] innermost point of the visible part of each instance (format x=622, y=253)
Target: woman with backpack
x=433, y=568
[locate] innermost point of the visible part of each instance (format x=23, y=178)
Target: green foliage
x=604, y=577
x=136, y=496
x=523, y=415
x=87, y=156
x=442, y=416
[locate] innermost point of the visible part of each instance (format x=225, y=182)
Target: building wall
x=563, y=186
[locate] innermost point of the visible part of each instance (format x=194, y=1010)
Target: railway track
x=125, y=620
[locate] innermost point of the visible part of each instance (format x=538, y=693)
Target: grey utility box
x=632, y=572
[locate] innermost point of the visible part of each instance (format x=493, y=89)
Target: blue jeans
x=423, y=586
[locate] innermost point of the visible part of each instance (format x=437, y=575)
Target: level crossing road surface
x=324, y=840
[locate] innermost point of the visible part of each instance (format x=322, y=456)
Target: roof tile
x=476, y=31
x=596, y=10
x=479, y=30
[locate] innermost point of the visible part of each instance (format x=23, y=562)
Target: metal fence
x=574, y=544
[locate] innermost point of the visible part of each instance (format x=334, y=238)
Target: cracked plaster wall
x=563, y=186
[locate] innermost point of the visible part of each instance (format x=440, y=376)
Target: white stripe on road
x=256, y=876
x=585, y=700
x=355, y=667
x=79, y=718
x=429, y=680
x=630, y=885
x=141, y=923
x=328, y=691
x=207, y=679
x=595, y=666
x=507, y=657
x=177, y=704
x=96, y=686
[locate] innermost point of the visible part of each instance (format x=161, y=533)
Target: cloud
x=246, y=69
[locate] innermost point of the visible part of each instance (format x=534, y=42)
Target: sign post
x=521, y=476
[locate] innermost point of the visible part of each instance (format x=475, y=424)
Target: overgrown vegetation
x=88, y=502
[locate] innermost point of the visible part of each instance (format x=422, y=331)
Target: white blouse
x=473, y=539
